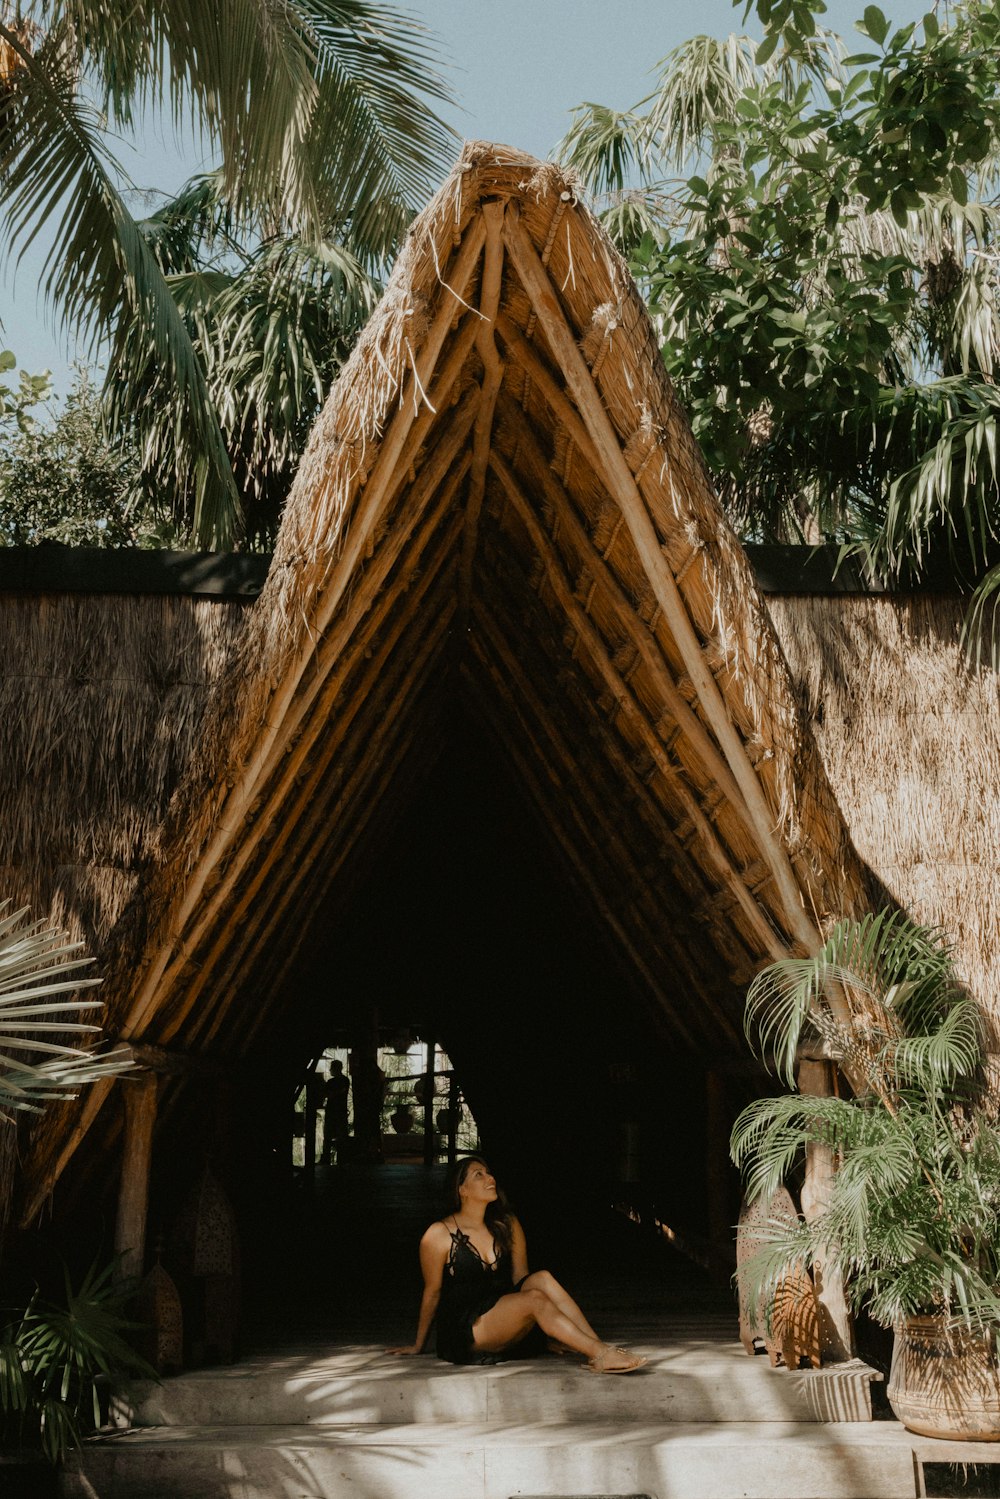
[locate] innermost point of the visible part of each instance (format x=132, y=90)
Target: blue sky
x=518, y=67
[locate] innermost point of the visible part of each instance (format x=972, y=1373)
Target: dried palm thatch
x=101, y=707
x=503, y=504
x=889, y=674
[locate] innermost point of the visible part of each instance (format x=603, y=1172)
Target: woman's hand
x=411, y=1348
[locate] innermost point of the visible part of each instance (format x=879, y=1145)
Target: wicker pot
x=945, y=1383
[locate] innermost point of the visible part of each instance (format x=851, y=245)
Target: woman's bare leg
x=542, y=1281
x=513, y=1317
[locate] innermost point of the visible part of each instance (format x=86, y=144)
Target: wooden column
x=429, y=1150
x=836, y=1328
x=139, y=1096
x=312, y=1109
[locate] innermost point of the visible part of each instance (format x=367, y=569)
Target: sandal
x=629, y=1362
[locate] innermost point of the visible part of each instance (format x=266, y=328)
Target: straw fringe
x=921, y=801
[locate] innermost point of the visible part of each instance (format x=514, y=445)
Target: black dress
x=470, y=1286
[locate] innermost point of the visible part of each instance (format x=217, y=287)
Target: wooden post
x=429, y=1150
x=139, y=1096
x=312, y=1102
x=836, y=1329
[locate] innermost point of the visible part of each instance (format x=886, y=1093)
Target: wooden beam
x=566, y=739
x=597, y=652
x=140, y=1096
x=603, y=834
x=489, y=303
x=622, y=485
x=639, y=633
x=308, y=803
x=293, y=793
x=382, y=481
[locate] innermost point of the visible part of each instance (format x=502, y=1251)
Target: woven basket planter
x=945, y=1383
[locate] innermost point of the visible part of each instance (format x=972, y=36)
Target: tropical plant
x=912, y=1221
x=319, y=111
x=57, y=1361
x=816, y=234
x=16, y=405
x=39, y=971
x=271, y=321
x=64, y=480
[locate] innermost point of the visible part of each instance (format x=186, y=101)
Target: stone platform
x=701, y=1421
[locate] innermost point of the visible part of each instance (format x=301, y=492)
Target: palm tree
x=913, y=1214
x=320, y=113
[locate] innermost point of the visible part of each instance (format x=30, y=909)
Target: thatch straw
x=911, y=742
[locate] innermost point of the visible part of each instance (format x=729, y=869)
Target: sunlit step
x=760, y=1460
x=691, y=1381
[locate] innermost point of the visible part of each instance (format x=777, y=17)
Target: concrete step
x=700, y=1382
x=662, y=1460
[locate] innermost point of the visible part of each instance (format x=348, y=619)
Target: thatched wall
x=911, y=743
x=102, y=699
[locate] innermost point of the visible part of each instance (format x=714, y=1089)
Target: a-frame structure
x=502, y=503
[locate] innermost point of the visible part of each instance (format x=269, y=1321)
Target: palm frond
x=38, y=962
x=55, y=171
x=375, y=147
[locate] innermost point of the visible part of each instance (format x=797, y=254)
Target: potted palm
x=912, y=1220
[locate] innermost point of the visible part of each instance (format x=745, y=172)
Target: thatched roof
x=503, y=504
x=921, y=798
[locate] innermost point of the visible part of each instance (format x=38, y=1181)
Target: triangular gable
x=503, y=500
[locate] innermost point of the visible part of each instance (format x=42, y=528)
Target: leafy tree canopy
x=62, y=480
x=816, y=233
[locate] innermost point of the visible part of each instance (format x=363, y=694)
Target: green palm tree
x=320, y=113
x=912, y=1221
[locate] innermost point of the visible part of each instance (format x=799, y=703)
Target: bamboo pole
x=564, y=846
x=379, y=486
x=691, y=879
x=603, y=835
x=313, y=797
x=291, y=788
x=405, y=747
x=622, y=484
x=597, y=651
x=366, y=789
x=493, y=368
x=645, y=641
x=561, y=407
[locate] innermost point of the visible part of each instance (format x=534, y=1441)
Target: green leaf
x=766, y=49
x=875, y=24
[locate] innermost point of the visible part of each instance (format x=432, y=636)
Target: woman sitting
x=476, y=1281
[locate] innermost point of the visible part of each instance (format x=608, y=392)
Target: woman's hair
x=498, y=1217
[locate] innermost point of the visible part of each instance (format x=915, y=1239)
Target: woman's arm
x=518, y=1252
x=433, y=1256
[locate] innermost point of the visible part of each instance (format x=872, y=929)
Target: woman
x=476, y=1281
